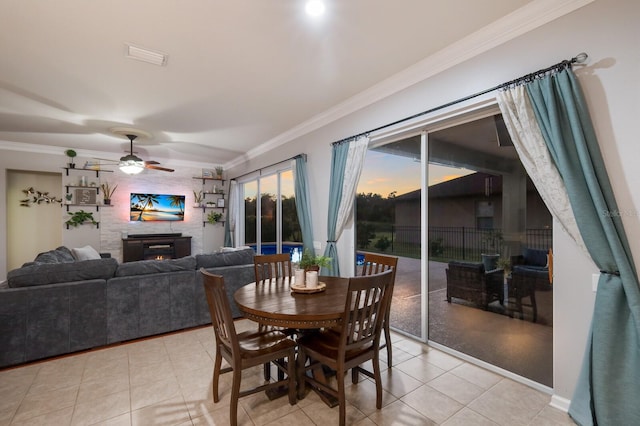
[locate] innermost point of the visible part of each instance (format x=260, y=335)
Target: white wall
x=608, y=32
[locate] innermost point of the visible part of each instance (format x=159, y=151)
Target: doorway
x=482, y=216
x=479, y=201
x=32, y=227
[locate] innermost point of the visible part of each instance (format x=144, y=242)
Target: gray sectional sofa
x=57, y=305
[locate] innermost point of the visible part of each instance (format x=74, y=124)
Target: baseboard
x=560, y=403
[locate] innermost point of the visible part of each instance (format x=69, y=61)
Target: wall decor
x=156, y=207
x=86, y=196
x=38, y=197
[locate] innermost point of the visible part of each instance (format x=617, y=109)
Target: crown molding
x=519, y=22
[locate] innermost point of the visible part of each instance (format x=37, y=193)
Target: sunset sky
x=384, y=173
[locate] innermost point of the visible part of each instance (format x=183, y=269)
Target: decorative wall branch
x=37, y=197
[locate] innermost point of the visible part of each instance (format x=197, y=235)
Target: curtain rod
x=303, y=155
x=579, y=58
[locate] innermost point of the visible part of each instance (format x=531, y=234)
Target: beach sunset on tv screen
x=156, y=207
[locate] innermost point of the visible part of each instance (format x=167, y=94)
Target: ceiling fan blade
x=151, y=162
x=163, y=169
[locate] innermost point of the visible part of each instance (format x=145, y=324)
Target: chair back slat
x=271, y=266
x=221, y=317
x=367, y=301
x=378, y=263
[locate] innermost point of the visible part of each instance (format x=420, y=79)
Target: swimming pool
x=295, y=250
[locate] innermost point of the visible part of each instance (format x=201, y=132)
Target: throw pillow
x=85, y=253
x=59, y=255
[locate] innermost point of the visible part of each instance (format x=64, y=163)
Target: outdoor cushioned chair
x=469, y=281
x=246, y=349
x=535, y=265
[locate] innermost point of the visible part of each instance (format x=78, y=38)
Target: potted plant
x=492, y=240
x=214, y=217
x=80, y=217
x=312, y=262
x=71, y=154
x=504, y=263
x=197, y=198
x=219, y=171
x=107, y=191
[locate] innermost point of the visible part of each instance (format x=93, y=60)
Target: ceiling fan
x=132, y=164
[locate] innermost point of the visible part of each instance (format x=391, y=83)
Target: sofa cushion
x=227, y=258
x=85, y=253
x=47, y=273
x=143, y=267
x=535, y=257
x=59, y=255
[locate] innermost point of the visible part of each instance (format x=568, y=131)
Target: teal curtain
x=339, y=155
x=231, y=216
x=608, y=390
x=303, y=204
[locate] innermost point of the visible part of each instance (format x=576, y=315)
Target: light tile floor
x=167, y=381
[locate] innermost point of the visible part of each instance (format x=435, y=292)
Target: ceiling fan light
x=131, y=167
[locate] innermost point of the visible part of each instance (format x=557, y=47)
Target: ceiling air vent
x=146, y=55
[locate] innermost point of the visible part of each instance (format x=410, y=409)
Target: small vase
x=107, y=201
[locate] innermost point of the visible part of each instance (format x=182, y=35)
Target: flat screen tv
x=156, y=207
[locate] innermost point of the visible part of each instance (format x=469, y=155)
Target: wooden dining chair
x=374, y=264
x=357, y=341
x=270, y=266
x=267, y=267
x=246, y=349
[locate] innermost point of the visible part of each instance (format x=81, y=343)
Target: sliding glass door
x=462, y=223
x=388, y=216
x=270, y=216
x=484, y=218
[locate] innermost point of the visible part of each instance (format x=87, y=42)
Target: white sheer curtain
x=521, y=122
x=352, y=171
x=346, y=166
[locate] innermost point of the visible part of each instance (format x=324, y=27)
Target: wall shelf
x=97, y=225
x=81, y=169
x=205, y=223
x=97, y=206
x=205, y=179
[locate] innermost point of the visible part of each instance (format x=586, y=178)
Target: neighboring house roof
x=473, y=184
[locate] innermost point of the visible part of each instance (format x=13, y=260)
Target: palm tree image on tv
x=156, y=207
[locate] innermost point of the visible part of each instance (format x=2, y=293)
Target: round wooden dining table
x=272, y=302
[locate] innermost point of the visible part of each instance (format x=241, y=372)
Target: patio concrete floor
x=520, y=346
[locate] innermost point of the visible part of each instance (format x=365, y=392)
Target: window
x=271, y=225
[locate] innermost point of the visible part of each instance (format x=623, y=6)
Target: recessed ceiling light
x=314, y=7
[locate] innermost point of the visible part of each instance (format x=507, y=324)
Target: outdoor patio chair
x=469, y=281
